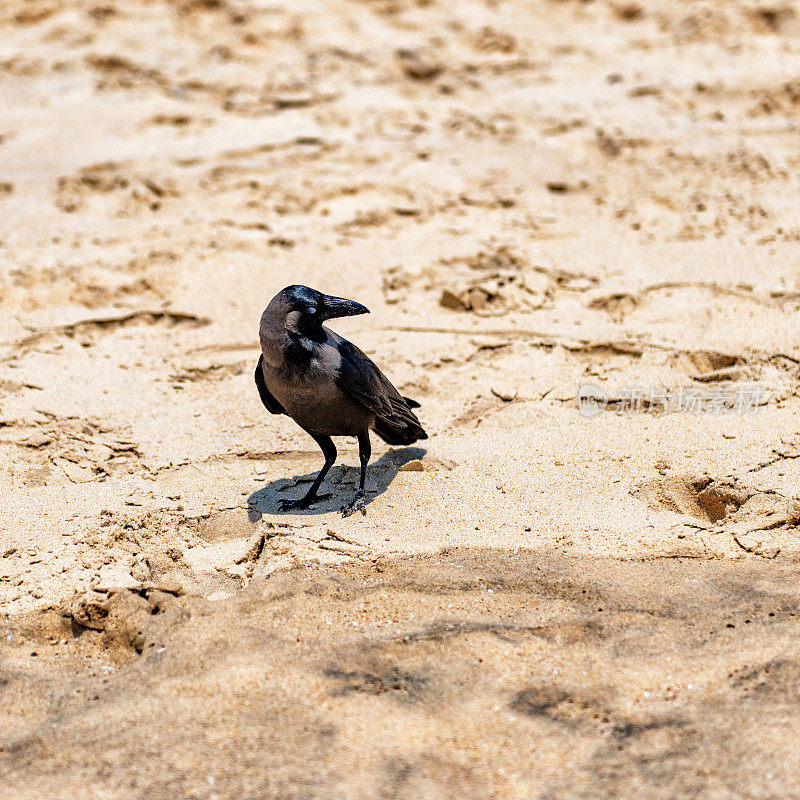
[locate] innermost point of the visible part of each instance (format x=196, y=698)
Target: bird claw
x=359, y=504
x=302, y=503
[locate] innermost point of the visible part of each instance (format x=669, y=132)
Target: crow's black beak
x=339, y=307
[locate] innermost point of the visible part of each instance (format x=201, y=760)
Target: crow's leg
x=360, y=500
x=329, y=451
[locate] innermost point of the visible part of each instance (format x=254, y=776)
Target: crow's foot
x=302, y=503
x=359, y=504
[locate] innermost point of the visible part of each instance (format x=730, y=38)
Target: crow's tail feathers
x=403, y=434
x=402, y=426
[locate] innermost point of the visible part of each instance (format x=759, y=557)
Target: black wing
x=272, y=405
x=358, y=376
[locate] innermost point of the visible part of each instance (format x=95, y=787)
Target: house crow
x=326, y=384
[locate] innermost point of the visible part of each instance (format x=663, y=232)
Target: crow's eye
x=312, y=310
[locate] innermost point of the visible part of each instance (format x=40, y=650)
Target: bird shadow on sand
x=341, y=483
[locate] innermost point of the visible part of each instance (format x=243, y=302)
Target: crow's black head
x=306, y=308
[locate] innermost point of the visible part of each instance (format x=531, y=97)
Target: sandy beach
x=531, y=196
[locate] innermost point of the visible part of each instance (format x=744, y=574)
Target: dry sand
x=529, y=196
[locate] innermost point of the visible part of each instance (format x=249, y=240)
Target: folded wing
x=360, y=378
x=271, y=404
